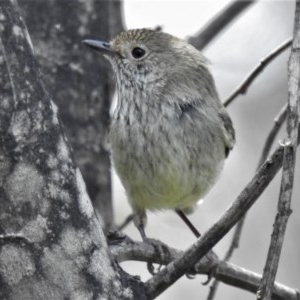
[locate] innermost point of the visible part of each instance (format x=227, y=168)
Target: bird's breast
x=160, y=160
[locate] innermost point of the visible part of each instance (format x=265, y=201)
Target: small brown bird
x=169, y=134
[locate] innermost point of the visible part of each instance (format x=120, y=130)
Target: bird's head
x=147, y=56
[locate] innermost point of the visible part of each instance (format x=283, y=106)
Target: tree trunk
x=79, y=80
x=52, y=245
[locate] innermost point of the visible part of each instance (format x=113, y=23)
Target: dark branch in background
x=166, y=277
x=218, y=23
x=278, y=121
x=242, y=88
x=289, y=159
x=225, y=272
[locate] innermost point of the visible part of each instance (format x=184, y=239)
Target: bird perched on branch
x=169, y=133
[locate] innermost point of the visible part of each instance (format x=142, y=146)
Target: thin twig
x=278, y=121
x=166, y=277
x=244, y=279
x=241, y=89
x=213, y=289
x=234, y=245
x=243, y=86
x=225, y=272
x=218, y=23
x=289, y=159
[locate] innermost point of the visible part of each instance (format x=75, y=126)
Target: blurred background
x=232, y=54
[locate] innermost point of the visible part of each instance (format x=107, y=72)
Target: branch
x=218, y=23
x=244, y=85
x=233, y=245
x=163, y=279
x=279, y=119
x=244, y=279
x=225, y=272
x=241, y=89
x=127, y=249
x=289, y=159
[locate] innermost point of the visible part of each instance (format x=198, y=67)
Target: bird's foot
x=210, y=275
x=161, y=250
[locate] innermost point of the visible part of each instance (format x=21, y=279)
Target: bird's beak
x=103, y=47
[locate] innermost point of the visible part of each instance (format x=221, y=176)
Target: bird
x=170, y=133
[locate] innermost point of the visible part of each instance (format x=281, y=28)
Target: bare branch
x=278, y=121
x=233, y=245
x=218, y=23
x=163, y=279
x=213, y=289
x=289, y=159
x=128, y=249
x=225, y=272
x=244, y=85
x=244, y=279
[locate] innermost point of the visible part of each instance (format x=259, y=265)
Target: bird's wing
x=197, y=114
x=228, y=131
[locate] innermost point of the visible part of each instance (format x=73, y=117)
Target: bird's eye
x=138, y=52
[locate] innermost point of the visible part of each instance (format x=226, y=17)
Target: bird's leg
x=197, y=234
x=140, y=220
x=185, y=219
x=126, y=222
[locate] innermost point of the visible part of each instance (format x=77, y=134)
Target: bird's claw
x=210, y=275
x=151, y=268
x=161, y=251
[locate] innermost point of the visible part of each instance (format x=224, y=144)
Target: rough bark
x=288, y=169
x=79, y=80
x=51, y=244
